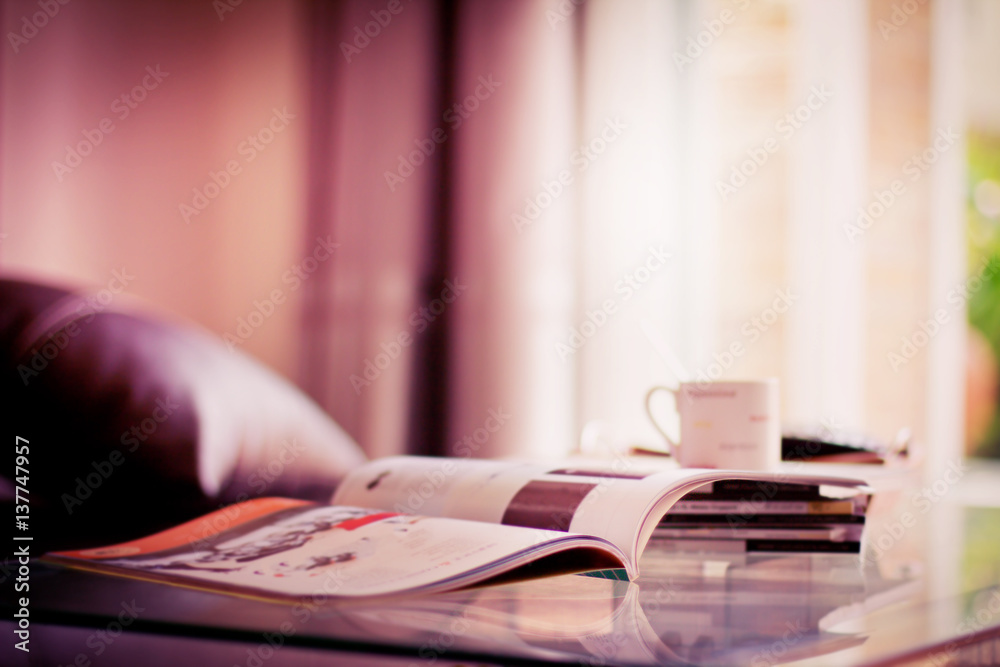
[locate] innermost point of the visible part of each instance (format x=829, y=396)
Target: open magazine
x=422, y=524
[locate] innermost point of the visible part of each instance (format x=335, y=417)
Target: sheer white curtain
x=643, y=257
x=515, y=235
x=756, y=133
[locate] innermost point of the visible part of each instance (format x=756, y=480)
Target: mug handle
x=673, y=446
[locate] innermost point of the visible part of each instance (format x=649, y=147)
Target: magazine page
x=285, y=548
x=619, y=501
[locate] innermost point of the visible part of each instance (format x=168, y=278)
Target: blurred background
x=438, y=215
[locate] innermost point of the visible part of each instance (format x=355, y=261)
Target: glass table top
x=925, y=589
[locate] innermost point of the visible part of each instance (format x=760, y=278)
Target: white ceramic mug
x=732, y=425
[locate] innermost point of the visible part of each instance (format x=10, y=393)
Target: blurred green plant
x=983, y=230
x=981, y=558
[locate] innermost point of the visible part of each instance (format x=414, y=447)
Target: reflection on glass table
x=931, y=594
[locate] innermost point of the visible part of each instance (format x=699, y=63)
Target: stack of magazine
x=749, y=516
x=419, y=524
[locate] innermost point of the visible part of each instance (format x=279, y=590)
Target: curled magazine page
x=473, y=489
x=621, y=501
x=625, y=509
x=337, y=551
x=609, y=502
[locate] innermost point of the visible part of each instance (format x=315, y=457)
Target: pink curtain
x=330, y=187
x=149, y=194
x=439, y=318
x=515, y=235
